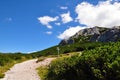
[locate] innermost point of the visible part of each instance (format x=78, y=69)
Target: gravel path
x=26, y=70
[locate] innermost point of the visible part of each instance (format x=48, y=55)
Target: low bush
x=101, y=63
x=42, y=71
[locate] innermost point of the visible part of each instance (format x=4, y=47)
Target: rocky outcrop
x=95, y=34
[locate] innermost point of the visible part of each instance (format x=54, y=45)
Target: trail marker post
x=58, y=49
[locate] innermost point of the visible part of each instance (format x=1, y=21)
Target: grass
x=70, y=54
x=42, y=71
x=41, y=59
x=44, y=57
x=5, y=68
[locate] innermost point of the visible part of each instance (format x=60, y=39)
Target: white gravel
x=26, y=70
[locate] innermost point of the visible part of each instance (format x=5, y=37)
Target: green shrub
x=101, y=63
x=41, y=59
x=1, y=75
x=42, y=71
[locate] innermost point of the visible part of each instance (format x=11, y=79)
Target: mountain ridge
x=95, y=34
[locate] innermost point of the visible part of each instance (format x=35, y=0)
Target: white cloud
x=104, y=14
x=58, y=24
x=31, y=52
x=63, y=7
x=45, y=20
x=8, y=19
x=49, y=32
x=66, y=17
x=70, y=32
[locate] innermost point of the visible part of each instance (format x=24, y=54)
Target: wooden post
x=58, y=49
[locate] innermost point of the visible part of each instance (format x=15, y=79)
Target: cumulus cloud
x=45, y=20
x=104, y=14
x=70, y=32
x=58, y=24
x=49, y=32
x=8, y=19
x=66, y=17
x=63, y=7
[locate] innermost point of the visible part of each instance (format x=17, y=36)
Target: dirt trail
x=26, y=70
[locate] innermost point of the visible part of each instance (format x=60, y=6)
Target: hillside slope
x=101, y=63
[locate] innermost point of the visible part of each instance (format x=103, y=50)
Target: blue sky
x=33, y=25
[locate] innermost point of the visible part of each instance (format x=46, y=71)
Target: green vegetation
x=8, y=60
x=82, y=60
x=68, y=48
x=41, y=59
x=100, y=63
x=42, y=71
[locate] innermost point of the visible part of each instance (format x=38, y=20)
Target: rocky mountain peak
x=95, y=34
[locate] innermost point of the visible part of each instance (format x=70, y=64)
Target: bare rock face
x=112, y=35
x=95, y=34
x=68, y=41
x=88, y=31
